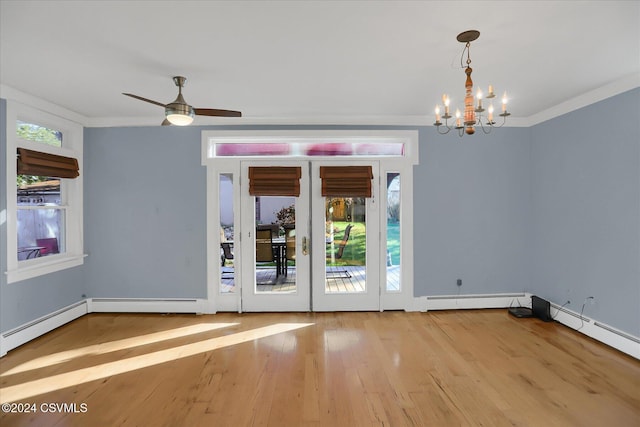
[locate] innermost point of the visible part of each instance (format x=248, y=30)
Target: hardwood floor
x=442, y=368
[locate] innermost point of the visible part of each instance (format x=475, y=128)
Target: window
x=393, y=232
x=357, y=147
x=44, y=217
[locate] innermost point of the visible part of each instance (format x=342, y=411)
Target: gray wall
x=472, y=213
x=145, y=212
x=21, y=302
x=553, y=210
x=586, y=210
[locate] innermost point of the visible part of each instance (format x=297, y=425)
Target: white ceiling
x=312, y=62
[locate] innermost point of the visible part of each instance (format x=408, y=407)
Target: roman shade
x=44, y=164
x=346, y=181
x=274, y=181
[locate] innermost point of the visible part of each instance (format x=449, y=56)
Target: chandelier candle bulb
x=490, y=95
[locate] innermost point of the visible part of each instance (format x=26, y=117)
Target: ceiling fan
x=180, y=113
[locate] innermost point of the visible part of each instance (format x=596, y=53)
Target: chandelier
x=473, y=108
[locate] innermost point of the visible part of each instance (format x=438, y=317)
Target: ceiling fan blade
x=166, y=122
x=215, y=112
x=145, y=99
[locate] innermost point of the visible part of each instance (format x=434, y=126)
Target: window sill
x=42, y=267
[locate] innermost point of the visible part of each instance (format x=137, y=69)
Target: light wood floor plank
x=448, y=368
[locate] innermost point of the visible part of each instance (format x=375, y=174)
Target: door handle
x=305, y=249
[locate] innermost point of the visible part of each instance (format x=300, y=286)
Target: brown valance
x=346, y=181
x=44, y=164
x=274, y=181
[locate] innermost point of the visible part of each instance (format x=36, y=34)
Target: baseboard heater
x=42, y=319
x=40, y=326
x=146, y=305
x=617, y=332
x=570, y=313
x=481, y=296
x=137, y=300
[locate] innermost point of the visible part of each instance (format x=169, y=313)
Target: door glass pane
x=346, y=241
x=227, y=252
x=393, y=232
x=275, y=251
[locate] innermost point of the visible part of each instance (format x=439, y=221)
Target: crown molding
x=9, y=93
x=622, y=85
x=617, y=87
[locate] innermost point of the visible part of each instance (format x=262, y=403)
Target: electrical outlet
x=459, y=282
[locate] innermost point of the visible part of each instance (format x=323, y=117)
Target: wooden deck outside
x=343, y=279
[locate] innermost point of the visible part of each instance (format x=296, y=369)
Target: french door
x=276, y=276
x=310, y=251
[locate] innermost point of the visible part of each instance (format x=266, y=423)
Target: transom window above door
x=308, y=148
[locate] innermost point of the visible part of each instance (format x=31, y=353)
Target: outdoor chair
x=49, y=246
x=290, y=248
x=226, y=252
x=264, y=247
x=339, y=253
x=264, y=250
x=343, y=243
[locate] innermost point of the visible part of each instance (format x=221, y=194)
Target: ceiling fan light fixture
x=179, y=114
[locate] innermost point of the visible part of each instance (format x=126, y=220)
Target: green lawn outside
x=354, y=252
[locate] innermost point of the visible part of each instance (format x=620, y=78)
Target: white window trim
x=72, y=146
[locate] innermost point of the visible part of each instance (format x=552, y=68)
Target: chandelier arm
x=504, y=119
x=488, y=130
x=445, y=132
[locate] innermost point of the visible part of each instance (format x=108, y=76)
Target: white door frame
x=215, y=300
x=369, y=299
x=300, y=299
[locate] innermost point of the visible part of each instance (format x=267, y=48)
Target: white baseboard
x=29, y=331
x=599, y=331
x=146, y=305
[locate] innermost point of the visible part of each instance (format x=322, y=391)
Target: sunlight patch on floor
x=56, y=382
x=92, y=350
